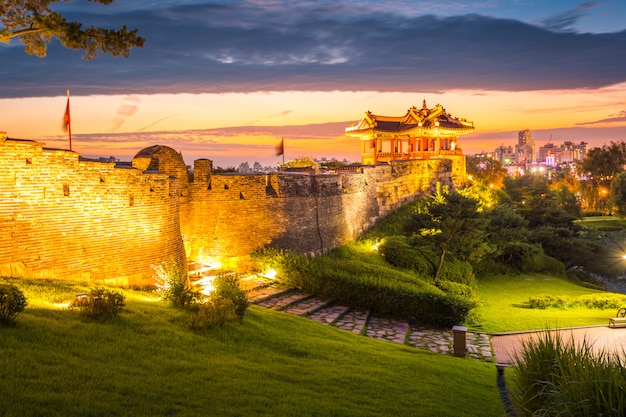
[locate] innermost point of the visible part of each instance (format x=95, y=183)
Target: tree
x=455, y=225
x=489, y=170
x=34, y=24
x=600, y=166
x=618, y=194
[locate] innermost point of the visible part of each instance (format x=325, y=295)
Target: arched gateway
x=419, y=134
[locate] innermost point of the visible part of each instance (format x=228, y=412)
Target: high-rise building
x=525, y=148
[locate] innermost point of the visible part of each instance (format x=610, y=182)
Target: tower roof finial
x=424, y=106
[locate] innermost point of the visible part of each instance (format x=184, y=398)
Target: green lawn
x=503, y=309
x=147, y=363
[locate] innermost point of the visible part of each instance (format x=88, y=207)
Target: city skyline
x=231, y=78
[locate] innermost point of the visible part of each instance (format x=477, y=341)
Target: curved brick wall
x=64, y=218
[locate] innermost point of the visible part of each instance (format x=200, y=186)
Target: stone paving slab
x=353, y=321
x=307, y=306
x=387, y=328
x=283, y=300
x=328, y=314
x=264, y=293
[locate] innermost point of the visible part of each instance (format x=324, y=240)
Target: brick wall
x=231, y=215
x=68, y=219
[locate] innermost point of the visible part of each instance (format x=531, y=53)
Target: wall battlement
x=65, y=217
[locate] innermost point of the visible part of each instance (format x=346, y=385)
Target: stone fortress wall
x=68, y=219
x=64, y=217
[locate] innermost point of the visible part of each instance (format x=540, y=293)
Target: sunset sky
x=225, y=80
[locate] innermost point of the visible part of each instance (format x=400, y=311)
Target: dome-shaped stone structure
x=166, y=160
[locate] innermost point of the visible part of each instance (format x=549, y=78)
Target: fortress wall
x=71, y=219
x=68, y=219
x=231, y=215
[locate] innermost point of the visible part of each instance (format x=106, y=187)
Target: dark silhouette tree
x=34, y=24
x=599, y=167
x=455, y=225
x=618, y=194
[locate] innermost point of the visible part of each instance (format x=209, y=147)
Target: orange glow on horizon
x=123, y=125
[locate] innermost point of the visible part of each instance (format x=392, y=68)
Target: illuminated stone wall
x=69, y=219
x=231, y=215
x=66, y=218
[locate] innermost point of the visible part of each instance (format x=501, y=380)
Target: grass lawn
x=503, y=309
x=147, y=363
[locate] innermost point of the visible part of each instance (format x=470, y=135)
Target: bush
x=388, y=291
x=227, y=287
x=399, y=253
x=594, y=301
x=555, y=378
x=100, y=304
x=216, y=311
x=172, y=284
x=12, y=303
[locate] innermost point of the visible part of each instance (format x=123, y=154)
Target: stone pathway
x=362, y=322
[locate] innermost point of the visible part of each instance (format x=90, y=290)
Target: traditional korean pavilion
x=419, y=134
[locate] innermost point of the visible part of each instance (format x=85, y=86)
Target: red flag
x=66, y=117
x=67, y=126
x=280, y=149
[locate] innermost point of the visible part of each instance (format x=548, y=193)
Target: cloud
x=243, y=46
x=566, y=20
x=618, y=118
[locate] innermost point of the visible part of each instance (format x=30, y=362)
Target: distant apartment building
x=566, y=153
x=525, y=148
x=506, y=154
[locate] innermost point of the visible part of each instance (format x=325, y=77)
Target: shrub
x=172, y=284
x=399, y=253
x=595, y=301
x=100, y=304
x=389, y=291
x=12, y=303
x=227, y=287
x=216, y=311
x=556, y=378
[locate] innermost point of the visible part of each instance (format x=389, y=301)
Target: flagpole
x=68, y=119
x=282, y=141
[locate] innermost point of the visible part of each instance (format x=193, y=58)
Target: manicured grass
x=503, y=304
x=147, y=363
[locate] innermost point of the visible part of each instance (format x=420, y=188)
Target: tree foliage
x=618, y=194
x=599, y=167
x=455, y=225
x=35, y=24
x=488, y=170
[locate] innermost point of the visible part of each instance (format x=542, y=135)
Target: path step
x=387, y=328
x=265, y=293
x=353, y=321
x=307, y=306
x=329, y=314
x=281, y=301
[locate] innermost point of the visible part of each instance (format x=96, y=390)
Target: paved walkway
x=599, y=338
x=499, y=348
x=365, y=323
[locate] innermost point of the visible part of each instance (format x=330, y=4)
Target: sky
x=226, y=80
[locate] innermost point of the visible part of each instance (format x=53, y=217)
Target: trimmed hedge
x=399, y=253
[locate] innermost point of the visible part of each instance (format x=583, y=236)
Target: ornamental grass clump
x=12, y=303
x=557, y=378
